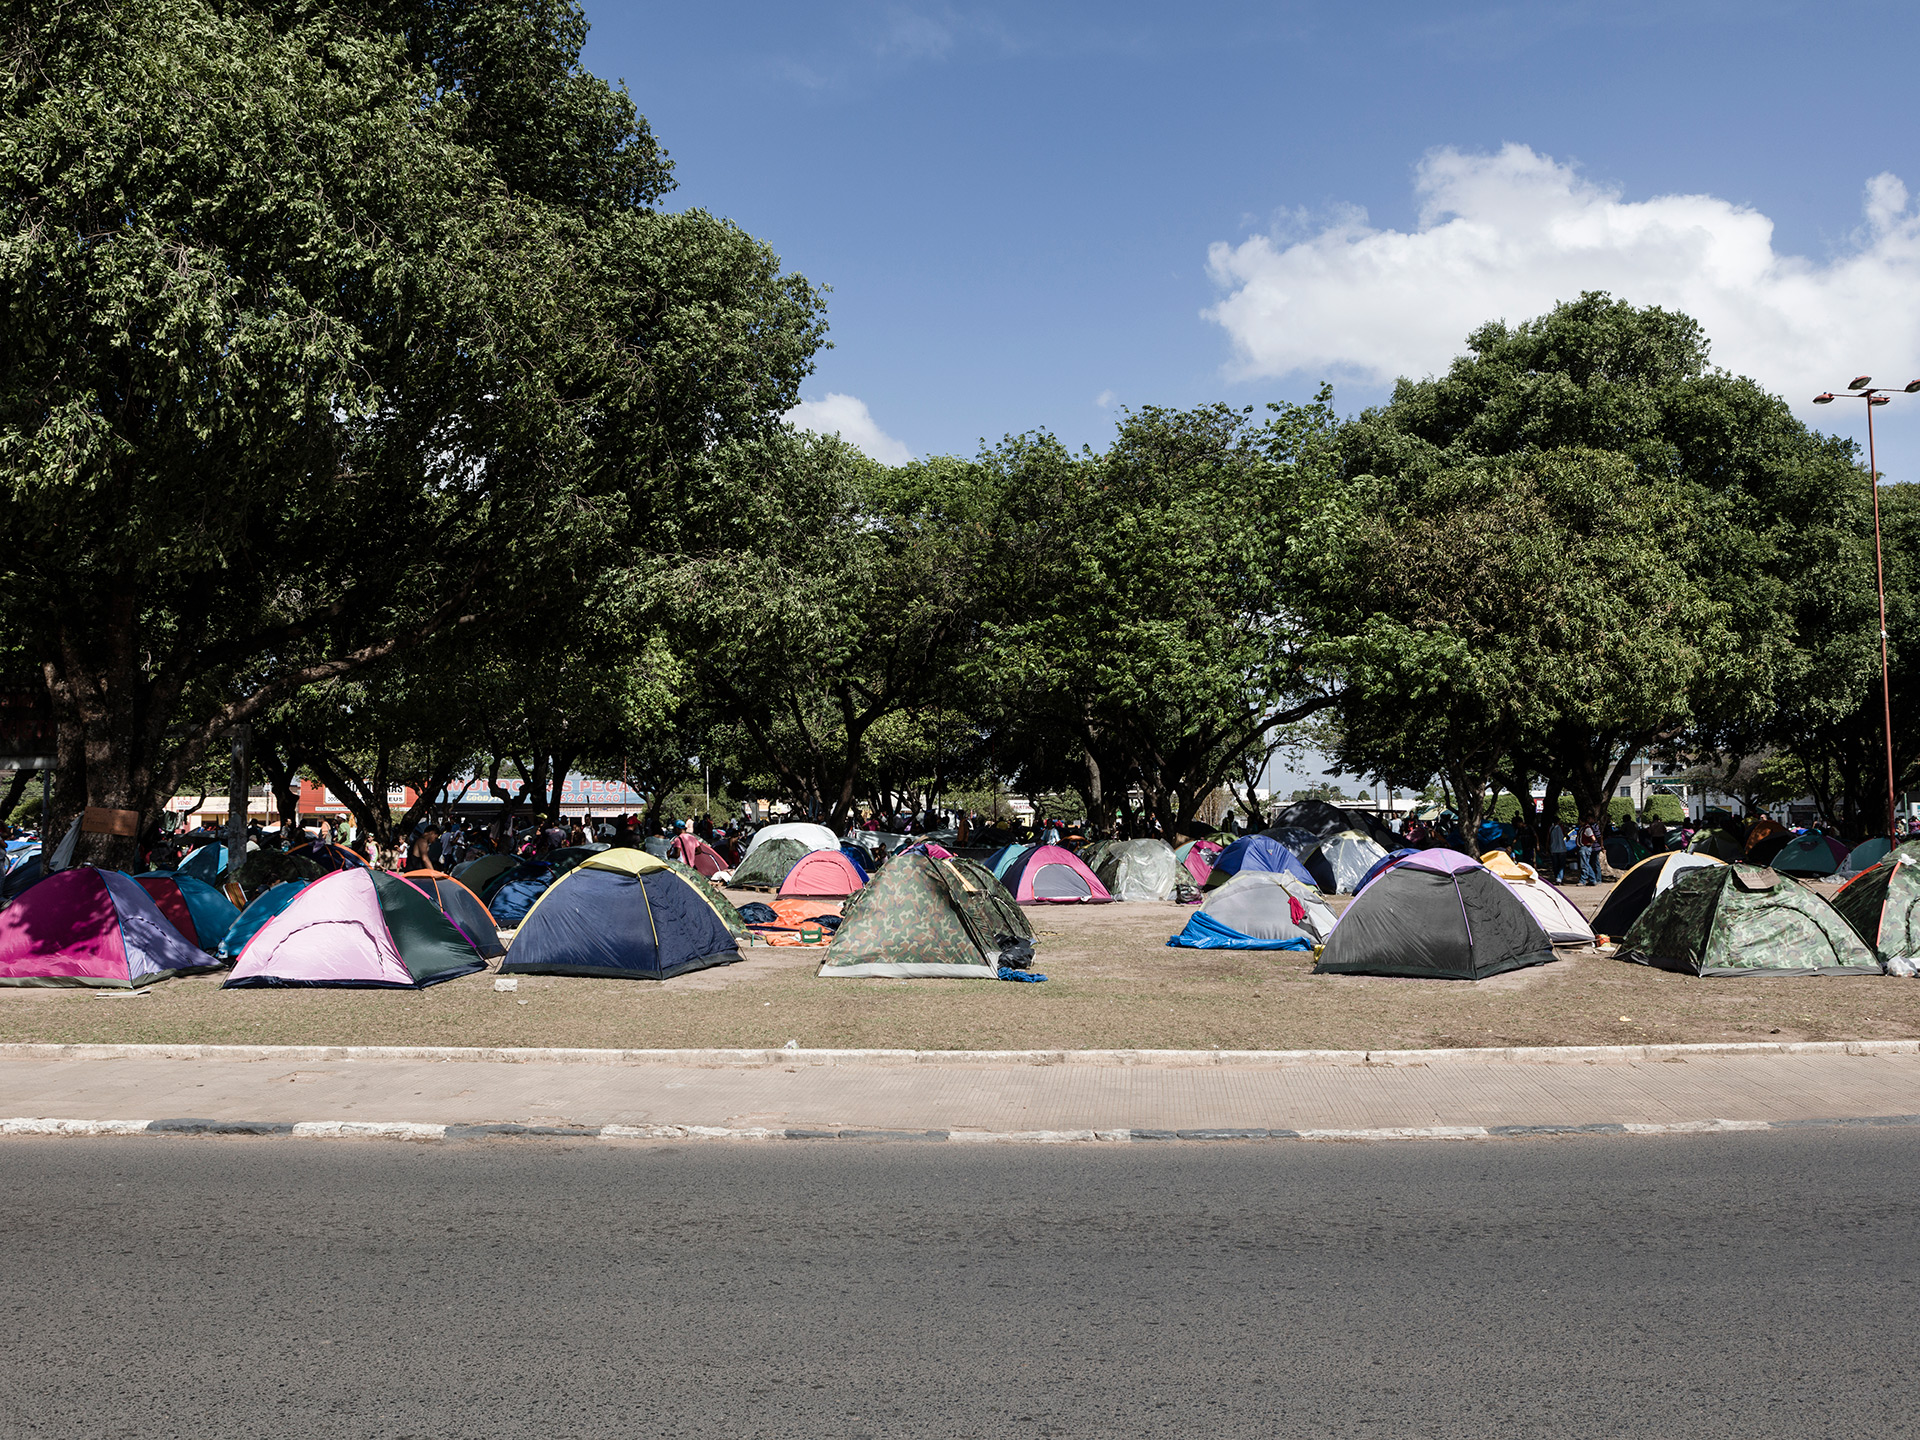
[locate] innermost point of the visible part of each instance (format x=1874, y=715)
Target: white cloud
x=1507, y=235
x=848, y=417
x=1105, y=399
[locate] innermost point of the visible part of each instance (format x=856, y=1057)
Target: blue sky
x=1030, y=215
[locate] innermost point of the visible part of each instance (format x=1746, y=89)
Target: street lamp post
x=1861, y=387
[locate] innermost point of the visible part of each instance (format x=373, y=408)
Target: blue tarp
x=1203, y=932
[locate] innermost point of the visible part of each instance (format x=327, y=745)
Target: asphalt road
x=1700, y=1286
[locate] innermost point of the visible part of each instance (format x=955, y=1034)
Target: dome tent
x=814, y=837
x=1052, y=875
x=690, y=849
x=1137, y=869
x=356, y=929
x=1439, y=915
x=1256, y=852
x=1259, y=910
x=1000, y=859
x=467, y=911
x=1558, y=915
x=1348, y=857
x=922, y=917
x=828, y=873
x=1864, y=856
x=199, y=912
x=263, y=907
x=512, y=895
x=93, y=928
x=1636, y=889
x=622, y=914
x=765, y=867
x=1198, y=857
x=483, y=874
x=1320, y=818
x=1811, y=854
x=1882, y=904
x=1765, y=840
x=1743, y=920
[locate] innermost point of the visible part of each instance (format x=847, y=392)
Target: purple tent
x=91, y=927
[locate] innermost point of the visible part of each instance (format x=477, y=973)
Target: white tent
x=814, y=837
x=1552, y=911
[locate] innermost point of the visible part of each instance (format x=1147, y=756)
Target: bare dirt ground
x=1113, y=983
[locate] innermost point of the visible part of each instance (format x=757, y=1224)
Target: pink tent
x=1198, y=858
x=692, y=850
x=824, y=872
x=357, y=927
x=1050, y=875
x=90, y=927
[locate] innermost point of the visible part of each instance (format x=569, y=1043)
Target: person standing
x=1589, y=850
x=1557, y=850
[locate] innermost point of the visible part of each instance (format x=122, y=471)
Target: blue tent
x=1003, y=858
x=1203, y=932
x=857, y=858
x=622, y=914
x=514, y=896
x=207, y=863
x=1257, y=852
x=267, y=904
x=209, y=912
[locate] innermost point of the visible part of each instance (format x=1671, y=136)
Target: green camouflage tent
x=768, y=865
x=1742, y=920
x=921, y=916
x=1883, y=904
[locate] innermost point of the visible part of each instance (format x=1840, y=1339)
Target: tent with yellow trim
x=622, y=914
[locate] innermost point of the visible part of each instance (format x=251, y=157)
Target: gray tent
x=1136, y=869
x=1261, y=903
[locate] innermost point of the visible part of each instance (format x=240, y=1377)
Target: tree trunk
x=281, y=775
x=16, y=787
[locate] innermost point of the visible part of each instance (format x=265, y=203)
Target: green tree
x=1504, y=602
x=1774, y=532
x=1147, y=620
x=340, y=328
x=843, y=598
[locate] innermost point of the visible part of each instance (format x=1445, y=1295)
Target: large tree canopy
x=1764, y=518
x=345, y=326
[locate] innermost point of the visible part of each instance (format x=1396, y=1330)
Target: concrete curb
x=405, y=1130
x=749, y=1059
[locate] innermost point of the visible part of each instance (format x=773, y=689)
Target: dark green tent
x=1882, y=904
x=1744, y=920
x=768, y=865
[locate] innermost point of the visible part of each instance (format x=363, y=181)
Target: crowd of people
x=1567, y=852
